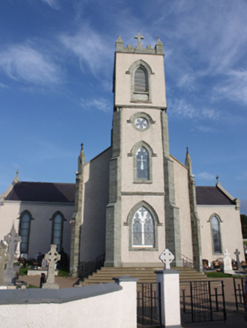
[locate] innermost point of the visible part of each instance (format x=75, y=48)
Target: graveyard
x=116, y=302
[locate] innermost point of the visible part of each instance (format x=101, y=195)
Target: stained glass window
x=24, y=232
x=57, y=231
x=142, y=164
x=142, y=228
x=216, y=234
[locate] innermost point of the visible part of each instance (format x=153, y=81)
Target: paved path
x=61, y=281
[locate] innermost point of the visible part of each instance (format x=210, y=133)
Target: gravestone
x=237, y=253
x=4, y=257
x=166, y=257
x=227, y=261
x=10, y=273
x=52, y=257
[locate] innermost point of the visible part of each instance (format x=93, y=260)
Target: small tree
x=243, y=218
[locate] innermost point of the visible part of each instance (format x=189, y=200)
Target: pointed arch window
x=141, y=80
x=24, y=231
x=216, y=235
x=142, y=164
x=142, y=155
x=57, y=230
x=142, y=228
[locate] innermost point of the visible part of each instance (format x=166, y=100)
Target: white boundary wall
x=104, y=306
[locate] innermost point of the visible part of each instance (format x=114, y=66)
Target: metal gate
x=148, y=305
x=239, y=291
x=202, y=301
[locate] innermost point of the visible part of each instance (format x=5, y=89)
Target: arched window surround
x=53, y=229
x=155, y=221
x=25, y=251
x=214, y=245
x=151, y=154
x=136, y=96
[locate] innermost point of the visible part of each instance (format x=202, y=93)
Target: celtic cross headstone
x=52, y=257
x=237, y=253
x=166, y=257
x=4, y=257
x=12, y=240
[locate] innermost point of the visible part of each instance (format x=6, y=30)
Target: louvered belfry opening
x=141, y=84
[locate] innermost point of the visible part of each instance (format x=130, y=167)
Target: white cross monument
x=166, y=257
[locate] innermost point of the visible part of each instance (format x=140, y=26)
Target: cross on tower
x=166, y=257
x=139, y=37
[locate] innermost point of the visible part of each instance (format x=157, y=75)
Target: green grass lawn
x=220, y=275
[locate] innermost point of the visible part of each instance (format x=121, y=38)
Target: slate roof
x=43, y=192
x=211, y=196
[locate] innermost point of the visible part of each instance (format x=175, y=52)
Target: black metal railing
x=148, y=305
x=189, y=263
x=202, y=301
x=87, y=268
x=239, y=291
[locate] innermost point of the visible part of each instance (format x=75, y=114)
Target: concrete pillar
x=128, y=301
x=170, y=298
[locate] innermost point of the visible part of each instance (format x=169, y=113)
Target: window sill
x=142, y=181
x=143, y=249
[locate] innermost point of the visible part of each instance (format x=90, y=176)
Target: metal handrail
x=189, y=263
x=87, y=268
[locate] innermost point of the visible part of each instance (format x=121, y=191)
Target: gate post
x=170, y=298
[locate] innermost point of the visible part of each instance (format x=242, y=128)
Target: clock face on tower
x=141, y=123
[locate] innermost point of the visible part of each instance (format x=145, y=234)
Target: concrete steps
x=147, y=274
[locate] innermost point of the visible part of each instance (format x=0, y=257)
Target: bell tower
x=142, y=218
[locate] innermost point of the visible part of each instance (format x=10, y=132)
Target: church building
x=134, y=199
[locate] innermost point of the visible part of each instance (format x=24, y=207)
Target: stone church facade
x=134, y=199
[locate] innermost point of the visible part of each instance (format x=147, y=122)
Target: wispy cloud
x=100, y=104
x=234, y=87
x=91, y=48
x=204, y=128
x=52, y=3
x=181, y=109
x=243, y=176
x=3, y=86
x=205, y=176
x=21, y=62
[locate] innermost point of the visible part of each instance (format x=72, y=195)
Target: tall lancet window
x=142, y=228
x=57, y=231
x=24, y=231
x=142, y=164
x=215, y=225
x=141, y=80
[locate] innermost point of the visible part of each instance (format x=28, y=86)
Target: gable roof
x=212, y=196
x=43, y=192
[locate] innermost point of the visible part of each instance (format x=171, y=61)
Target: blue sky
x=56, y=68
